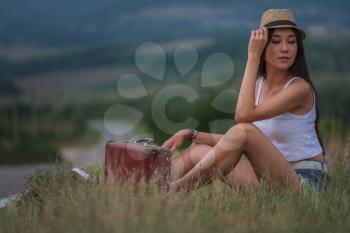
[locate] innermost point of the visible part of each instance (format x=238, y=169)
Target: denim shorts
x=313, y=178
x=312, y=173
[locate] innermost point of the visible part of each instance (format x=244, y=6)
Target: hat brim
x=302, y=33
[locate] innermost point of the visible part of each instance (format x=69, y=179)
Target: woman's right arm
x=208, y=138
x=177, y=139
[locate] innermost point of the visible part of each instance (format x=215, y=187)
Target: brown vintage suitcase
x=136, y=162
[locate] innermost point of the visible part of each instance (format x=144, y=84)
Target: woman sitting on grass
x=277, y=117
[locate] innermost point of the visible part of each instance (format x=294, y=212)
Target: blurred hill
x=85, y=22
x=44, y=37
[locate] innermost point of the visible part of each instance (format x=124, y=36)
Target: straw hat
x=280, y=18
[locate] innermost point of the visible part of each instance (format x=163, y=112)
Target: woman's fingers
x=262, y=33
x=252, y=36
x=176, y=144
x=173, y=148
x=168, y=144
x=265, y=33
x=259, y=34
x=257, y=42
x=256, y=34
x=172, y=144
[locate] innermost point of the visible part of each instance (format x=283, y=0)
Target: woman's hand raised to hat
x=257, y=42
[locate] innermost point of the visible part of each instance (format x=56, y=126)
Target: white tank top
x=293, y=135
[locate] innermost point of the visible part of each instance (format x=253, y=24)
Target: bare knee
x=197, y=152
x=188, y=158
x=239, y=133
x=193, y=154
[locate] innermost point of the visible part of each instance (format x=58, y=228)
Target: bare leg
x=262, y=154
x=187, y=159
x=242, y=176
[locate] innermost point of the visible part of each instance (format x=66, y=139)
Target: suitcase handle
x=145, y=141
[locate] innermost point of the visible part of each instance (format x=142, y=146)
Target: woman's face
x=281, y=50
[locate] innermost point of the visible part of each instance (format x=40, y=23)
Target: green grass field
x=56, y=201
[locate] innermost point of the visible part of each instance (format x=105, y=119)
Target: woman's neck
x=276, y=78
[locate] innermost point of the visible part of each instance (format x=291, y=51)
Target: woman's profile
x=277, y=120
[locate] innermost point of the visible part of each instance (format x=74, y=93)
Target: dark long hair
x=298, y=69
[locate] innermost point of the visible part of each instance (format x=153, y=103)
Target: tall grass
x=60, y=202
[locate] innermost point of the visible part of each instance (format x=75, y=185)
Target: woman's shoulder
x=300, y=82
x=299, y=87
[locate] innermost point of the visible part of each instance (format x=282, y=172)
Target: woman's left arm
x=246, y=99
